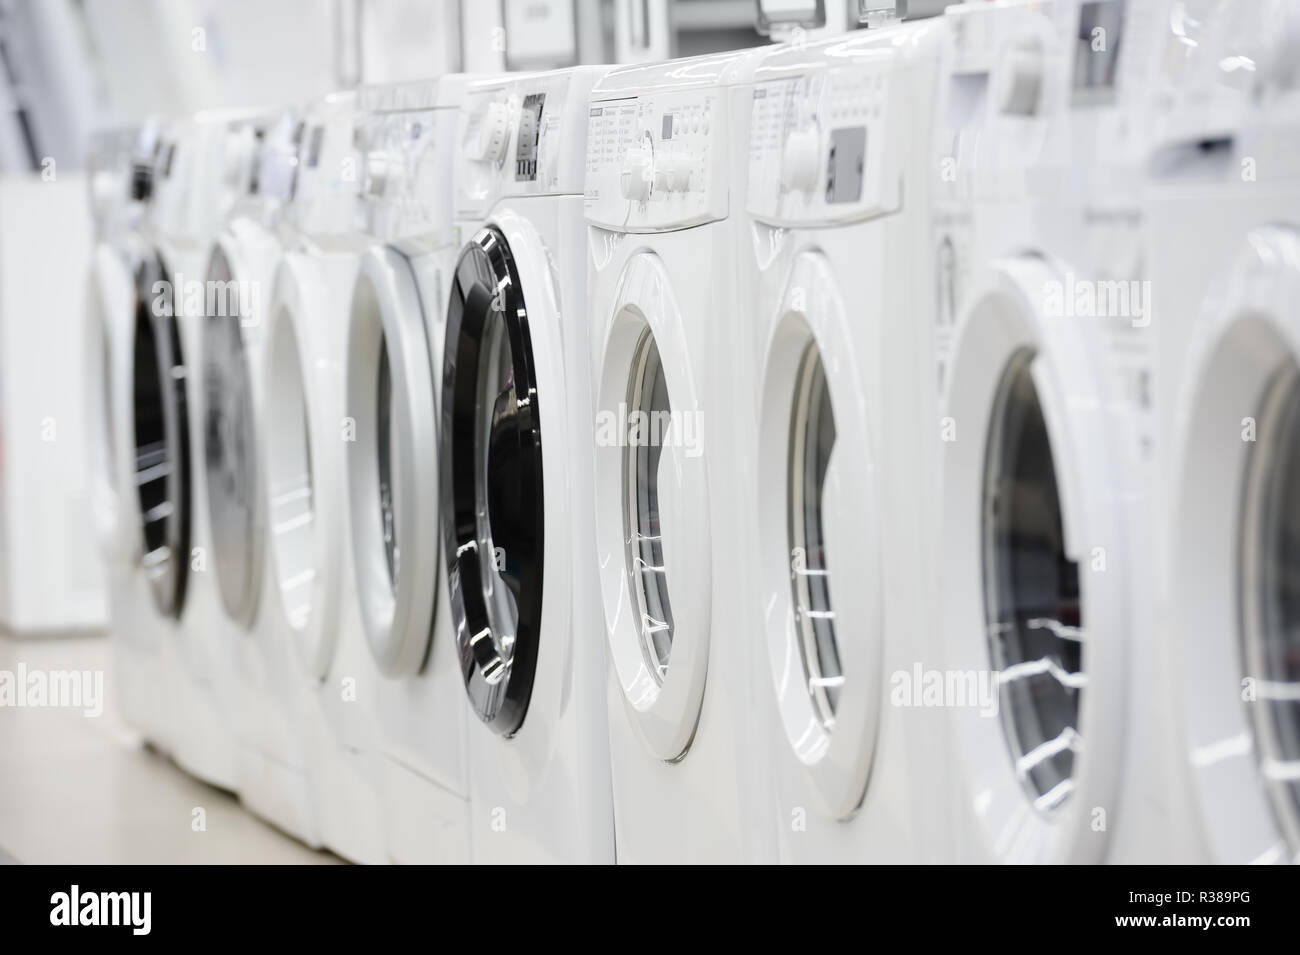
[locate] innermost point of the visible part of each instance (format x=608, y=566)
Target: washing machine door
x=653, y=530
x=230, y=442
x=393, y=464
x=491, y=482
x=162, y=439
x=820, y=539
x=1236, y=542
x=1033, y=567
x=109, y=334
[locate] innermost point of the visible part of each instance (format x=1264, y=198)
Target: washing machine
x=838, y=439
x=1045, y=394
x=1223, y=228
x=515, y=473
x=666, y=142
x=121, y=178
x=304, y=440
x=270, y=718
x=186, y=209
x=395, y=344
x=116, y=216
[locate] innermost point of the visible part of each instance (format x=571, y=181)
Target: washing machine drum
x=230, y=456
x=491, y=482
x=162, y=442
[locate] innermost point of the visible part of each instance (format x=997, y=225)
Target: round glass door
x=161, y=432
x=230, y=455
x=812, y=439
x=393, y=464
x=384, y=463
x=1032, y=600
x=492, y=494
x=647, y=576
x=1270, y=597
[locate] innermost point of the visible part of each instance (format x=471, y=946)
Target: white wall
x=51, y=574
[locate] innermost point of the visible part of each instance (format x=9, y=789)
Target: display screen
x=846, y=164
x=530, y=131
x=667, y=132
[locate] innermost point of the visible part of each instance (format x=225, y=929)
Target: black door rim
x=492, y=492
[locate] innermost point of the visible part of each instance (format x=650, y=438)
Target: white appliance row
x=874, y=449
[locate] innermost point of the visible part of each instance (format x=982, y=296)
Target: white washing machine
x=116, y=216
x=409, y=139
x=1223, y=231
x=306, y=432
x=837, y=328
x=515, y=477
x=185, y=213
x=270, y=718
x=1040, y=555
x=665, y=143
x=121, y=179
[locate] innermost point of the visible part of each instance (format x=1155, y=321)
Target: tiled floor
x=83, y=790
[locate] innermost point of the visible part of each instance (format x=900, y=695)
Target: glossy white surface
x=685, y=753
x=409, y=142
x=1220, y=228
x=1042, y=196
x=837, y=259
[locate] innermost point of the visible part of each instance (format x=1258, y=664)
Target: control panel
x=407, y=145
x=656, y=163
x=820, y=149
x=521, y=138
x=1212, y=69
x=328, y=177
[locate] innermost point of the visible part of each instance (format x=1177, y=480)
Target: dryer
x=515, y=476
x=306, y=431
x=837, y=429
x=1041, y=566
x=1223, y=237
x=394, y=369
x=270, y=717
x=185, y=213
x=685, y=751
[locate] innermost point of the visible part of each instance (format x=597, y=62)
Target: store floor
x=77, y=789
